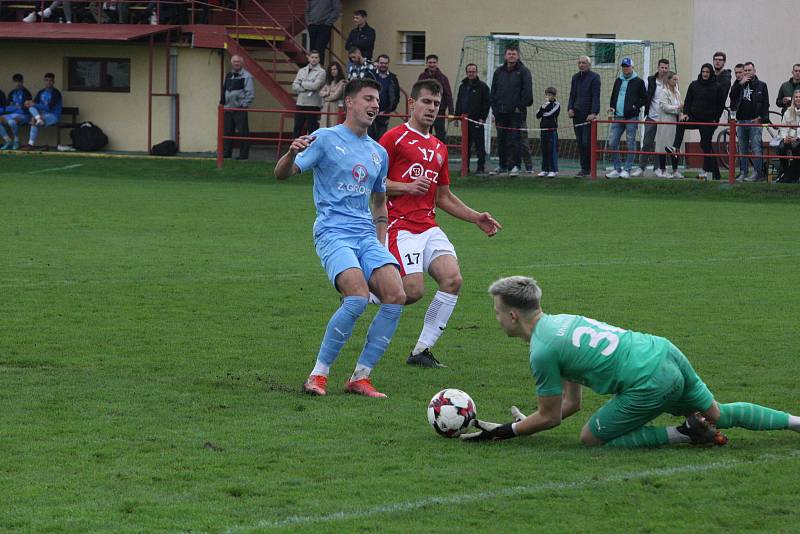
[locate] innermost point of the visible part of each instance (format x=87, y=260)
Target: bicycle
x=721, y=139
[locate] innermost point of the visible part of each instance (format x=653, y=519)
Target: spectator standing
x=307, y=83
x=670, y=109
x=473, y=100
x=360, y=67
x=548, y=115
x=433, y=72
x=583, y=107
x=45, y=110
x=321, y=15
x=786, y=92
x=655, y=85
x=237, y=92
x=332, y=94
x=362, y=35
x=511, y=95
x=628, y=97
x=752, y=110
x=722, y=74
x=790, y=141
x=15, y=112
x=705, y=100
x=389, y=95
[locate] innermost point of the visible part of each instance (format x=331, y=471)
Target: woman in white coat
x=332, y=95
x=670, y=109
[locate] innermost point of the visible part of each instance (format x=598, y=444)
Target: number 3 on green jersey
x=593, y=336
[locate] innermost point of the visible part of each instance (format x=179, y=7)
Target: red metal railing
x=282, y=139
x=731, y=154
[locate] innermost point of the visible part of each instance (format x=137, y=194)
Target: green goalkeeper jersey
x=602, y=357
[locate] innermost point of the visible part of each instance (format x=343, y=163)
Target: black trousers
x=710, y=163
x=378, y=127
x=305, y=122
x=791, y=172
x=475, y=136
x=509, y=142
x=319, y=35
x=582, y=135
x=440, y=128
x=235, y=124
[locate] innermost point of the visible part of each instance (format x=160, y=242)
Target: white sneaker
x=637, y=171
x=667, y=174
x=39, y=121
x=552, y=174
x=498, y=170
x=613, y=174
x=154, y=19
x=46, y=13
x=31, y=17
x=543, y=173
x=702, y=176
x=624, y=174
x=514, y=171
x=659, y=173
x=677, y=174
x=751, y=177
x=739, y=177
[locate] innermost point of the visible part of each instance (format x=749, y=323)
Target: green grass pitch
x=157, y=319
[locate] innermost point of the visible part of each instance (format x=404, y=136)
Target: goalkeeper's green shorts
x=673, y=388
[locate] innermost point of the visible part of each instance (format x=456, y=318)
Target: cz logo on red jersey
x=416, y=171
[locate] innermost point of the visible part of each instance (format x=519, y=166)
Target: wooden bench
x=72, y=114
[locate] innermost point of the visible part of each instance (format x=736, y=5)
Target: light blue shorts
x=338, y=252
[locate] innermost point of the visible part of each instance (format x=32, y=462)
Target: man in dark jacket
x=389, y=97
x=722, y=74
x=433, y=72
x=704, y=102
x=583, y=107
x=753, y=98
x=473, y=101
x=362, y=35
x=321, y=15
x=788, y=88
x=511, y=95
x=628, y=97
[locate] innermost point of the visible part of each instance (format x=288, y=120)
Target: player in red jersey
x=419, y=182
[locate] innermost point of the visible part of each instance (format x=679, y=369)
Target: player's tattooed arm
x=380, y=214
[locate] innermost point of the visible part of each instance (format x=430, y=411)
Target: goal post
x=552, y=62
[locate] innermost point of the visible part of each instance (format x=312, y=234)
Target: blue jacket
x=49, y=101
x=584, y=93
x=16, y=99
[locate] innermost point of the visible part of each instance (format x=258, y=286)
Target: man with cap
x=628, y=97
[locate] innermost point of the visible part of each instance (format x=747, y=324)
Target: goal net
x=552, y=62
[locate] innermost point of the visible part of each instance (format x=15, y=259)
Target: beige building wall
x=447, y=22
x=733, y=27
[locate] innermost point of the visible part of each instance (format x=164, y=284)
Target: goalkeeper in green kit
x=647, y=375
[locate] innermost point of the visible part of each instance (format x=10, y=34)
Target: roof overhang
x=42, y=31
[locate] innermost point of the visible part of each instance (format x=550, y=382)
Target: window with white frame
x=413, y=47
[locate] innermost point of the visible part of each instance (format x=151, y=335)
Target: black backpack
x=165, y=148
x=88, y=137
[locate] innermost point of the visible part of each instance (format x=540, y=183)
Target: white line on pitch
x=408, y=506
x=57, y=168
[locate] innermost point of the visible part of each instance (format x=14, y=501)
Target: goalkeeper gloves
x=494, y=431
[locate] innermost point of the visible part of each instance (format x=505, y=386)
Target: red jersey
x=413, y=155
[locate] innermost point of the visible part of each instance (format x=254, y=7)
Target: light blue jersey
x=347, y=170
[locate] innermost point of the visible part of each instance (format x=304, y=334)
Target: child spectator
x=548, y=113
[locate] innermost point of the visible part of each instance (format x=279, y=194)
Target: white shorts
x=416, y=252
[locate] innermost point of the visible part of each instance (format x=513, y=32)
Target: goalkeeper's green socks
x=755, y=417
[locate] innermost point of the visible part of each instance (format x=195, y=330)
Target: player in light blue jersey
x=350, y=197
x=647, y=375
